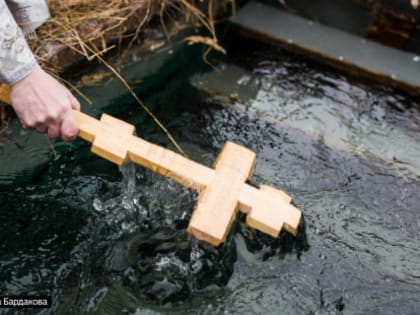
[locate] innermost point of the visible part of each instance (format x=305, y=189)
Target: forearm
x=16, y=58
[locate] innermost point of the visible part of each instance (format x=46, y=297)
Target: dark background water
x=65, y=225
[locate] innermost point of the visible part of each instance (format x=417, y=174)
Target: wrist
x=30, y=76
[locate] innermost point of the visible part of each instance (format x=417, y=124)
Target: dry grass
x=77, y=23
x=85, y=27
x=74, y=23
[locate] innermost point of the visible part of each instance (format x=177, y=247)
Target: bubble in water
x=173, y=264
x=196, y=267
x=97, y=205
x=96, y=299
x=136, y=201
x=170, y=265
x=195, y=254
x=127, y=203
x=244, y=80
x=128, y=226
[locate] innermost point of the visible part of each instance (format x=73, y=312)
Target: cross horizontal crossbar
x=223, y=190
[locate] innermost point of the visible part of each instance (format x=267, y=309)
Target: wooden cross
x=223, y=190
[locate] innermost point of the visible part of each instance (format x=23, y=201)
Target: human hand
x=44, y=104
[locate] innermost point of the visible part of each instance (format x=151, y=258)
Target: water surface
x=66, y=230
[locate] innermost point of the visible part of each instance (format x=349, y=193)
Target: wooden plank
x=5, y=94
x=334, y=47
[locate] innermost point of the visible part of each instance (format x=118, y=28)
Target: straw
x=87, y=26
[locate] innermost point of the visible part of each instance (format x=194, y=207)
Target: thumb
x=69, y=127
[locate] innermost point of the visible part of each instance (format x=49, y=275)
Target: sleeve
x=16, y=58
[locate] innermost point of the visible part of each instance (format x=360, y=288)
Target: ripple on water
x=109, y=242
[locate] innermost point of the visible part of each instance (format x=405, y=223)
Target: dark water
x=108, y=241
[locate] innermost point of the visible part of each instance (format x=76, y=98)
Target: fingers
x=53, y=131
x=69, y=127
x=43, y=124
x=41, y=129
x=44, y=104
x=65, y=126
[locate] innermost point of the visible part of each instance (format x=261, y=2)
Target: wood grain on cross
x=223, y=190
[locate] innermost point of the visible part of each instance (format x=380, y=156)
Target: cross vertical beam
x=218, y=203
x=223, y=190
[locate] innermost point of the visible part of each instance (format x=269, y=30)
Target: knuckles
x=69, y=133
x=46, y=113
x=46, y=117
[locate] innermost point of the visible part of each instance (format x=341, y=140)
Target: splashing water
x=165, y=263
x=128, y=211
x=109, y=242
x=123, y=212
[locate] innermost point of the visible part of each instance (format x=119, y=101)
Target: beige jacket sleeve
x=16, y=58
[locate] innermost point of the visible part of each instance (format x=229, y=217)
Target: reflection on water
x=324, y=110
x=109, y=242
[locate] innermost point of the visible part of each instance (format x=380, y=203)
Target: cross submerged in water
x=223, y=190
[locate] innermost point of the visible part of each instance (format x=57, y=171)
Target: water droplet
x=244, y=80
x=128, y=227
x=97, y=205
x=196, y=266
x=416, y=58
x=30, y=188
